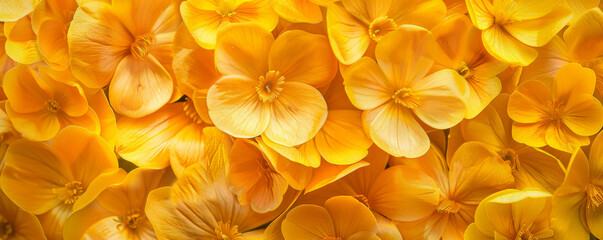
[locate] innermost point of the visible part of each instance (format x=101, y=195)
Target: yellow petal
x=89, y=121
x=531, y=134
x=243, y=49
x=550, y=59
x=500, y=44
x=341, y=140
x=305, y=154
x=348, y=36
x=441, y=99
x=297, y=10
x=260, y=12
x=328, y=173
x=350, y=216
x=139, y=88
x=23, y=89
x=21, y=44
x=583, y=115
x=596, y=152
x=406, y=55
x=539, y=170
x=297, y=175
x=203, y=24
x=100, y=104
x=526, y=9
x=303, y=57
x=52, y=43
x=473, y=233
x=296, y=115
x=308, y=222
x=582, y=37
x=595, y=222
x=562, y=138
x=186, y=147
x=31, y=172
x=22, y=223
x=37, y=126
x=366, y=85
x=480, y=13
x=562, y=88
x=487, y=127
x=394, y=129
x=235, y=108
x=421, y=13
x=528, y=104
x=94, y=56
x=13, y=10
x=538, y=32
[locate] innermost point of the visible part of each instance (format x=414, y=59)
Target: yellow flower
x=50, y=22
x=21, y=44
x=581, y=44
x=354, y=25
x=455, y=6
x=562, y=116
x=511, y=28
x=50, y=181
x=39, y=106
x=128, y=44
x=460, y=49
x=512, y=214
x=532, y=167
x=197, y=208
x=394, y=92
x=579, y=7
x=269, y=85
x=306, y=11
x=12, y=10
x=118, y=211
x=203, y=18
x=578, y=202
x=342, y=217
x=6, y=63
x=174, y=135
x=473, y=173
x=16, y=223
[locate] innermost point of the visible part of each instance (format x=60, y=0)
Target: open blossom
x=510, y=28
x=50, y=21
x=396, y=91
x=562, y=116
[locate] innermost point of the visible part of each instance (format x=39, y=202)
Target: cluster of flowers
x=301, y=119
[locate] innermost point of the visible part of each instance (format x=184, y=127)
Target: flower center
x=225, y=231
x=141, y=46
x=6, y=229
x=53, y=106
x=264, y=170
x=406, y=97
x=227, y=14
x=363, y=199
x=270, y=86
x=191, y=112
x=595, y=196
x=331, y=238
x=556, y=113
x=448, y=206
x=510, y=156
x=465, y=71
x=130, y=220
x=524, y=234
x=73, y=191
x=380, y=27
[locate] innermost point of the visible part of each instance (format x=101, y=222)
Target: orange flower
x=129, y=44
x=460, y=49
x=354, y=25
x=394, y=92
x=307, y=11
x=21, y=44
x=50, y=181
x=40, y=106
x=50, y=22
x=6, y=63
x=511, y=28
x=473, y=173
x=532, y=167
x=253, y=179
x=174, y=135
x=118, y=211
x=341, y=217
x=203, y=18
x=562, y=116
x=269, y=85
x=16, y=223
x=197, y=208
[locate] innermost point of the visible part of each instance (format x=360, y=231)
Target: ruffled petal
x=500, y=44
x=348, y=36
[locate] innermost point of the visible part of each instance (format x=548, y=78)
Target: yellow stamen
x=510, y=156
x=53, y=106
x=448, y=206
x=407, y=98
x=380, y=27
x=270, y=86
x=73, y=192
x=224, y=231
x=141, y=46
x=6, y=229
x=228, y=14
x=363, y=199
x=191, y=112
x=465, y=71
x=524, y=234
x=595, y=196
x=130, y=220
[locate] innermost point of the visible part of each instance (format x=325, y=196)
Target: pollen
x=380, y=27
x=53, y=106
x=363, y=199
x=6, y=229
x=465, y=71
x=595, y=196
x=270, y=86
x=510, y=156
x=225, y=231
x=191, y=112
x=524, y=234
x=407, y=98
x=448, y=206
x=130, y=220
x=72, y=192
x=141, y=46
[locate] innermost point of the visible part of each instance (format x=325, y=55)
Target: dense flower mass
x=301, y=119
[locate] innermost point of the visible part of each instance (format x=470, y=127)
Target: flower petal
x=500, y=44
x=297, y=114
x=341, y=140
x=528, y=103
x=24, y=91
x=479, y=11
x=297, y=10
x=538, y=32
x=13, y=10
x=366, y=85
x=350, y=216
x=203, y=24
x=308, y=222
x=583, y=114
x=583, y=36
x=417, y=12
x=37, y=126
x=348, y=36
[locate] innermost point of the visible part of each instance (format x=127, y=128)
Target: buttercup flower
x=395, y=91
x=511, y=28
x=17, y=223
